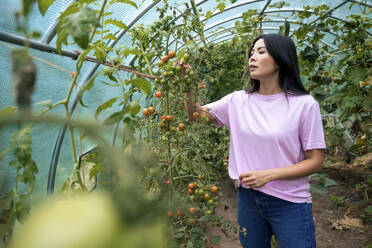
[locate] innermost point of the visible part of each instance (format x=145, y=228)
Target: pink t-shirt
x=268, y=132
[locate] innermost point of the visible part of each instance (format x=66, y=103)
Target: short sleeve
x=220, y=110
x=311, y=129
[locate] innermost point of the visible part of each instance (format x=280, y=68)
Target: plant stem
x=67, y=99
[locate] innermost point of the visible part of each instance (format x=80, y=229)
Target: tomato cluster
x=177, y=74
x=148, y=111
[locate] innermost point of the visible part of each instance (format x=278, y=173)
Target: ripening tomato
x=179, y=213
x=158, y=94
x=169, y=117
x=192, y=186
x=181, y=126
x=191, y=221
x=225, y=163
x=195, y=115
x=160, y=63
x=145, y=111
x=172, y=54
x=164, y=59
x=192, y=210
x=207, y=196
x=190, y=191
x=163, y=117
x=214, y=189
x=151, y=110
x=170, y=214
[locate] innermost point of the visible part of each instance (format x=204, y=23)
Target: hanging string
x=72, y=74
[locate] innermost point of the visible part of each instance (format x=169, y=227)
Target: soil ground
x=342, y=225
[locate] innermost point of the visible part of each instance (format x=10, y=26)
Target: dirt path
x=336, y=227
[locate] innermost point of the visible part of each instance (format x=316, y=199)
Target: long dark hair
x=283, y=51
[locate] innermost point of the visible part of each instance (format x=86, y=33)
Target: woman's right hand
x=194, y=110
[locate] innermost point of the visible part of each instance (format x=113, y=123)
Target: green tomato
x=178, y=68
x=72, y=222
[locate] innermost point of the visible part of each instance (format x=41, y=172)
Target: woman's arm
x=312, y=164
x=191, y=107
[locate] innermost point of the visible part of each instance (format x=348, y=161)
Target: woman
x=276, y=142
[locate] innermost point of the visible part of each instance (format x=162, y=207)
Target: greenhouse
x=155, y=123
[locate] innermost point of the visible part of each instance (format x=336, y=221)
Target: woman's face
x=261, y=64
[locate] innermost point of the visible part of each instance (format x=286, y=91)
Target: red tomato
x=192, y=210
x=158, y=94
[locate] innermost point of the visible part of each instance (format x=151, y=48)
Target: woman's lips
x=252, y=67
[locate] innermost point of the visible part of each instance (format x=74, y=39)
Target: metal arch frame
x=271, y=28
x=236, y=5
x=62, y=131
x=264, y=11
x=233, y=6
x=268, y=11
x=232, y=26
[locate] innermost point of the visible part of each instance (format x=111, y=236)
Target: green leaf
x=215, y=239
x=142, y=84
x=221, y=7
x=279, y=5
x=124, y=1
x=36, y=35
x=133, y=108
x=356, y=74
x=117, y=23
x=8, y=111
x=105, y=105
x=86, y=87
x=369, y=210
x=329, y=182
x=318, y=189
x=100, y=53
x=208, y=15
x=114, y=118
x=287, y=28
x=205, y=218
x=179, y=235
x=44, y=5
x=46, y=104
x=109, y=36
x=79, y=24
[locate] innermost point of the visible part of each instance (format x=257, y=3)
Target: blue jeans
x=260, y=215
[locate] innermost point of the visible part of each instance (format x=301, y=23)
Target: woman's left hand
x=256, y=179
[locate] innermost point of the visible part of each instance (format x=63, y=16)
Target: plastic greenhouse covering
x=51, y=143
